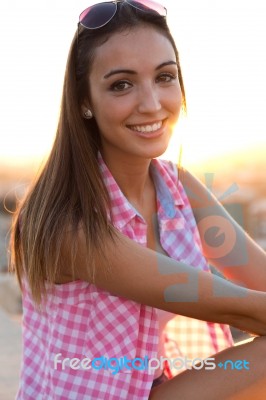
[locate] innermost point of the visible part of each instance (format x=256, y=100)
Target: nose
x=149, y=100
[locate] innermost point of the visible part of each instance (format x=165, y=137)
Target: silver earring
x=88, y=114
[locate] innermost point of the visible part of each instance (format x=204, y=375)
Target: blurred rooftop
x=10, y=354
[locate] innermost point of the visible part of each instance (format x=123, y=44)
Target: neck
x=132, y=176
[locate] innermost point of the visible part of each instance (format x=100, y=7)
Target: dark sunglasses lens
x=98, y=15
x=148, y=5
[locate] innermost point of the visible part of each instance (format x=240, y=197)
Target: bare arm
x=239, y=258
x=150, y=278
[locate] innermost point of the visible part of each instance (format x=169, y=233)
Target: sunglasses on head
x=98, y=15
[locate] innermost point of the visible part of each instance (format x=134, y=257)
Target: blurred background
x=222, y=138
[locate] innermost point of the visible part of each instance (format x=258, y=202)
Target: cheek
x=174, y=102
x=108, y=119
x=110, y=116
x=111, y=108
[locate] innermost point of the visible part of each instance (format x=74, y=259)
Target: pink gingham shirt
x=81, y=321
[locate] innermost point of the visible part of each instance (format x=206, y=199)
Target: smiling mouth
x=146, y=128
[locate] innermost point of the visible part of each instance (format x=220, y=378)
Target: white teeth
x=147, y=128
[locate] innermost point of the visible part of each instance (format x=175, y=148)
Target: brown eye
x=119, y=86
x=166, y=78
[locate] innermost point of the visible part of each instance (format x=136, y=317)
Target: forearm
x=211, y=298
x=142, y=275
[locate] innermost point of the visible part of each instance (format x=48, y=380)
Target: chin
x=160, y=150
x=154, y=153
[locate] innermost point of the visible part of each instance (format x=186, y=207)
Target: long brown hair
x=70, y=190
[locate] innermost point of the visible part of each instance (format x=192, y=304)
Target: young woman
x=108, y=245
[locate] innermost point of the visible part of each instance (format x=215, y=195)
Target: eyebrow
x=130, y=71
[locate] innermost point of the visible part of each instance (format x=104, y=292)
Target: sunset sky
x=222, y=47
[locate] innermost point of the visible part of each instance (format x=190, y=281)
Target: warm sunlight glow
x=222, y=50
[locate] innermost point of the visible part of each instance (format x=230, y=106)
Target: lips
x=147, y=128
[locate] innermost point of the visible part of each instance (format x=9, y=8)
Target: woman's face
x=135, y=93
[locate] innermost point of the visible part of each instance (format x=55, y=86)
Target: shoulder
x=176, y=172
x=198, y=194
x=189, y=186
x=183, y=180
